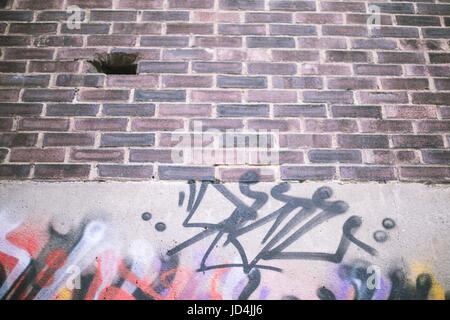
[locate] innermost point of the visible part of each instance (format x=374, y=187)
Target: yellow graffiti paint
x=437, y=292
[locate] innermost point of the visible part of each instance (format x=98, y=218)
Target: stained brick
x=61, y=171
x=335, y=156
x=14, y=171
x=307, y=111
x=417, y=141
x=359, y=141
x=307, y=173
x=37, y=155
x=20, y=109
x=367, y=173
x=9, y=140
x=127, y=140
x=68, y=139
x=242, y=110
x=185, y=173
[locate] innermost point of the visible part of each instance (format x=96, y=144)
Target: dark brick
x=418, y=20
x=146, y=124
x=417, y=141
x=97, y=155
x=295, y=141
x=356, y=111
x=328, y=96
x=241, y=82
x=377, y=70
x=101, y=124
x=190, y=28
x=395, y=32
x=151, y=155
x=72, y=110
x=79, y=80
x=163, y=67
x=15, y=41
x=9, y=140
x=6, y=124
x=28, y=53
x=241, y=4
x=297, y=82
x=43, y=124
x=265, y=17
x=431, y=126
x=53, y=66
x=140, y=4
x=386, y=126
x=436, y=156
x=354, y=83
x=124, y=110
x=359, y=141
x=87, y=28
x=307, y=111
x=48, y=95
x=243, y=110
x=99, y=95
x=185, y=173
x=14, y=171
x=436, y=33
x=242, y=29
x=127, y=140
x=61, y=171
x=114, y=15
x=165, y=16
x=91, y=4
x=272, y=68
x=425, y=173
x=37, y=155
x=68, y=139
x=347, y=56
x=20, y=109
x=335, y=156
x=217, y=67
x=59, y=41
x=15, y=15
x=307, y=173
x=160, y=95
x=126, y=171
x=185, y=81
x=33, y=28
x=292, y=30
x=440, y=98
x=367, y=173
x=292, y=5
x=164, y=41
x=12, y=66
x=270, y=42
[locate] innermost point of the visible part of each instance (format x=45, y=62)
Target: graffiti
x=256, y=242
x=244, y=219
x=398, y=286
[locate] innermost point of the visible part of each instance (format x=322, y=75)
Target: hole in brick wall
x=115, y=63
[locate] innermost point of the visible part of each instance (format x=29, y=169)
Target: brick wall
x=349, y=101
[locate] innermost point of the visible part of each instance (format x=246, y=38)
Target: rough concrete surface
x=150, y=239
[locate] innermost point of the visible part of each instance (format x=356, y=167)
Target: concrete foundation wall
x=164, y=240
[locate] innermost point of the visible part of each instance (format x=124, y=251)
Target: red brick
x=103, y=95
x=146, y=124
x=96, y=155
x=37, y=155
x=102, y=124
x=43, y=124
x=307, y=173
x=68, y=139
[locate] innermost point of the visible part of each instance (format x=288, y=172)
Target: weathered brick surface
x=348, y=100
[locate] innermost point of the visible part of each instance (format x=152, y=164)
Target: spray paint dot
x=388, y=223
x=380, y=236
x=146, y=216
x=160, y=226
